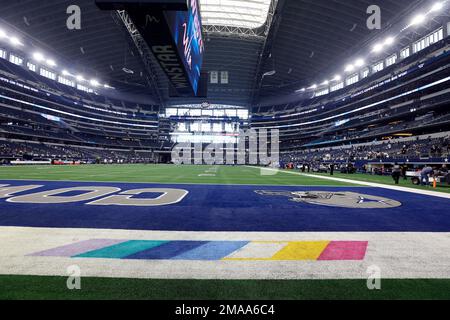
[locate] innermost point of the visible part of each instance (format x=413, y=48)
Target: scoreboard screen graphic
x=186, y=30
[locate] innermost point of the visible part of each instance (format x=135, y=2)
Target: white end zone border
x=364, y=183
x=399, y=255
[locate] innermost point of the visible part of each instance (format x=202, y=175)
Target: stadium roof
x=251, y=14
x=300, y=41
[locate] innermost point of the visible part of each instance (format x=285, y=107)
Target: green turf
x=158, y=174
x=28, y=287
x=33, y=287
x=172, y=174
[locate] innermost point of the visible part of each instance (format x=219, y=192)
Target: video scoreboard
x=186, y=30
x=173, y=31
x=217, y=124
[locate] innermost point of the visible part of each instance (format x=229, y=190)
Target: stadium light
x=378, y=47
x=38, y=56
x=94, y=83
x=337, y=78
x=65, y=73
x=419, y=19
x=359, y=62
x=2, y=34
x=437, y=7
x=314, y=86
x=389, y=41
x=51, y=63
x=326, y=82
x=349, y=68
x=14, y=41
x=80, y=78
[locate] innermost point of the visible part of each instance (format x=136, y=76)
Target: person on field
x=425, y=175
x=404, y=171
x=332, y=169
x=396, y=173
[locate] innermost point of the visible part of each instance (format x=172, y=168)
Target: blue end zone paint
x=121, y=250
x=232, y=208
x=67, y=194
x=166, y=251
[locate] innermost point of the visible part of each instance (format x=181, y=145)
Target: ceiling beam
x=271, y=29
x=146, y=55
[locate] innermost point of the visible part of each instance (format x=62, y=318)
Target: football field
x=155, y=174
x=217, y=232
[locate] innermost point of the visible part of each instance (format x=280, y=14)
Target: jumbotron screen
x=186, y=29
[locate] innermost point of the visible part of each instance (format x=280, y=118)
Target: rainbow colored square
x=212, y=250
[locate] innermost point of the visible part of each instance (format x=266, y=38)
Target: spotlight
x=38, y=56
x=80, y=77
x=14, y=41
x=337, y=78
x=51, y=63
x=2, y=34
x=378, y=47
x=349, y=68
x=389, y=41
x=94, y=83
x=65, y=73
x=359, y=63
x=325, y=83
x=437, y=7
x=419, y=19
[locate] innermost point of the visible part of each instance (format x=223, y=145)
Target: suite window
x=47, y=74
x=337, y=86
x=352, y=79
x=427, y=41
x=15, y=59
x=82, y=88
x=405, y=53
x=365, y=73
x=391, y=60
x=66, y=81
x=322, y=92
x=378, y=67
x=31, y=66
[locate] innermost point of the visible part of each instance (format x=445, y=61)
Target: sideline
x=365, y=183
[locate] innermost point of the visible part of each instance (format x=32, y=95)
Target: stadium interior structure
x=94, y=104
x=370, y=112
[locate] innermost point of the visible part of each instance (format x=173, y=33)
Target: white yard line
x=398, y=255
x=364, y=183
